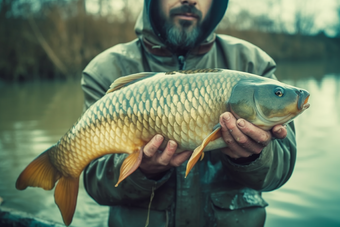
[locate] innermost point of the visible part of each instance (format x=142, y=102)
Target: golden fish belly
x=181, y=108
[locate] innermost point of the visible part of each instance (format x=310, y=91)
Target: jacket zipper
x=181, y=62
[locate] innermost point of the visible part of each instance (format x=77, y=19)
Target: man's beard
x=183, y=37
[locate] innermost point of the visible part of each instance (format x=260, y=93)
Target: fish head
x=266, y=102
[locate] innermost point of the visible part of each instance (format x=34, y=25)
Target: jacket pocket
x=243, y=207
x=154, y=211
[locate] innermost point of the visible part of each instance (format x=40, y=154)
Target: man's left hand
x=245, y=139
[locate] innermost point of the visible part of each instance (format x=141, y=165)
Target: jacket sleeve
x=101, y=175
x=276, y=162
x=271, y=169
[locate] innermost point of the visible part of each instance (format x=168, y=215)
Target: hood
x=145, y=29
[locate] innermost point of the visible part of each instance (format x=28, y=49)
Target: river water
x=33, y=116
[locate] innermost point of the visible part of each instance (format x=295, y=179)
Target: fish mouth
x=305, y=105
x=303, y=97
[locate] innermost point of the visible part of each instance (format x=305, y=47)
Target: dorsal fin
x=127, y=80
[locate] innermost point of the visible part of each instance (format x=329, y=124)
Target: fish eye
x=279, y=91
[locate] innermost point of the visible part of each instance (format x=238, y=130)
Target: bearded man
x=225, y=188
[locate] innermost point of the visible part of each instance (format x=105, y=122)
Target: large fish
x=182, y=105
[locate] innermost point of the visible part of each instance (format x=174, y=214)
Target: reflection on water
x=33, y=116
x=311, y=197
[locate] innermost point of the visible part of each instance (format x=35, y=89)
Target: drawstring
x=167, y=218
x=181, y=62
x=151, y=198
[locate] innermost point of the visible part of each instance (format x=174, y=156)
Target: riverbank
x=14, y=218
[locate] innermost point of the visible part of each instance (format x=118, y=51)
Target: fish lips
x=303, y=97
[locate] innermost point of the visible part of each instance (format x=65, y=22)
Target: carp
x=183, y=106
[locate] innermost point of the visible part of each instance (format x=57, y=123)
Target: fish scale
x=183, y=106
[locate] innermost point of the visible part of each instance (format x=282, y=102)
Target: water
x=312, y=195
x=33, y=116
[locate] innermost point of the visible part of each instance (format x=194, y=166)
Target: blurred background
x=45, y=45
x=49, y=39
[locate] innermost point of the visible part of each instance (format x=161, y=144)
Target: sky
x=324, y=12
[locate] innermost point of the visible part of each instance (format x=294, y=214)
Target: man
x=224, y=189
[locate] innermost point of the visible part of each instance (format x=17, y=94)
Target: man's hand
x=245, y=139
x=156, y=162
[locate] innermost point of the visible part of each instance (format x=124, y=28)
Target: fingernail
x=172, y=144
x=158, y=137
x=279, y=130
x=227, y=117
x=240, y=123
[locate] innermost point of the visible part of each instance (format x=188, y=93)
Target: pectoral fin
x=129, y=165
x=198, y=152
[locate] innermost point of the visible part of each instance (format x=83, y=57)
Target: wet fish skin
x=184, y=109
x=182, y=106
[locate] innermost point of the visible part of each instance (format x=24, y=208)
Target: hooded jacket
x=218, y=191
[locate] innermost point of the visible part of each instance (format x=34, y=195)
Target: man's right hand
x=155, y=162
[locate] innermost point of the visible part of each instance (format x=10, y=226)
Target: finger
x=226, y=120
x=279, y=132
x=151, y=147
x=166, y=155
x=258, y=135
x=178, y=159
x=238, y=144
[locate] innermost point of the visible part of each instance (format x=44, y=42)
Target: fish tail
x=65, y=195
x=39, y=173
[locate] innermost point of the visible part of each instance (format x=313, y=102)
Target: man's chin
x=186, y=24
x=184, y=27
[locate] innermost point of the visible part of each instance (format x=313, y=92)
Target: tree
x=304, y=18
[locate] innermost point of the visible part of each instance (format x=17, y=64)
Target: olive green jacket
x=217, y=189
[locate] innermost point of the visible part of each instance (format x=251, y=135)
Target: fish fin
x=202, y=156
x=217, y=126
x=198, y=152
x=39, y=173
x=65, y=196
x=129, y=165
x=127, y=80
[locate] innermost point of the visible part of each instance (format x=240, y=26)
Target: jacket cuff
x=245, y=161
x=263, y=159
x=140, y=181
